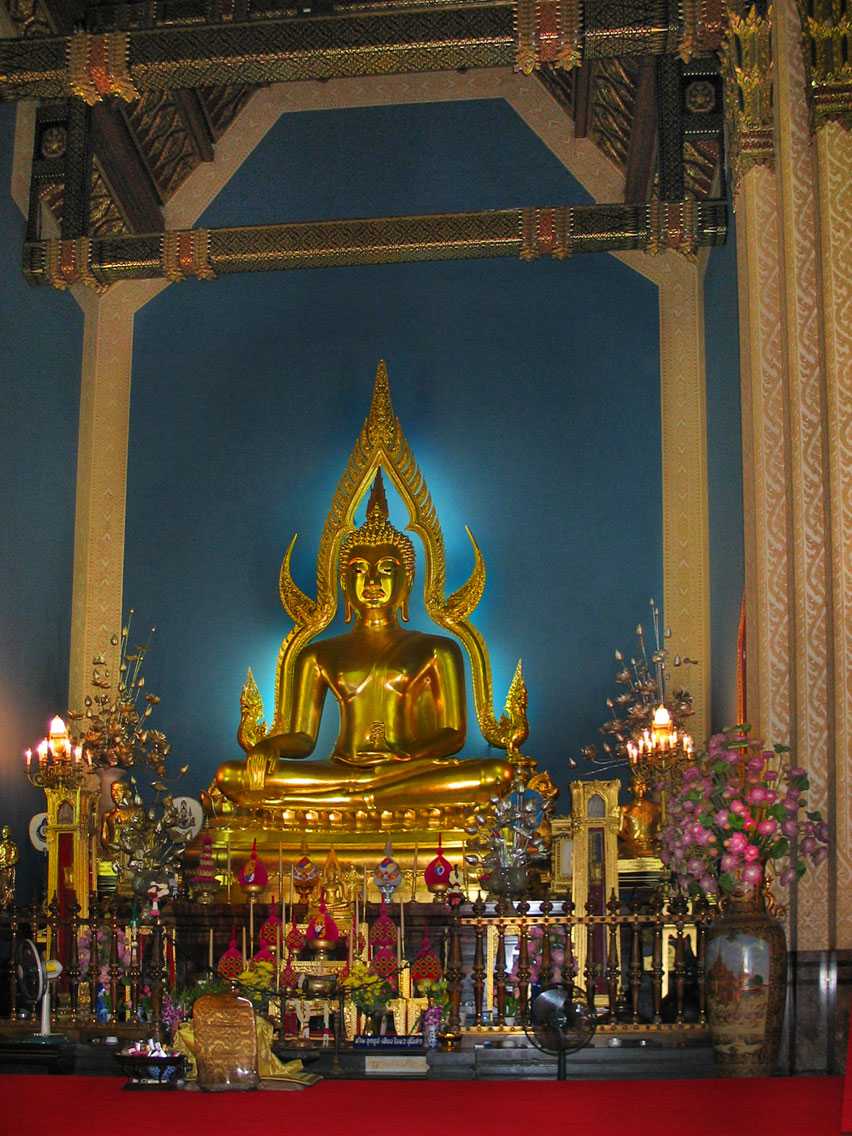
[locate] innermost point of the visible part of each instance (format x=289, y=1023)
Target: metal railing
x=113, y=973
x=603, y=960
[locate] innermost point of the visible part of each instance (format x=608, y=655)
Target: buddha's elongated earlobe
x=347, y=606
x=403, y=610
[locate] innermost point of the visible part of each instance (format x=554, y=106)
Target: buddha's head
x=376, y=563
x=121, y=793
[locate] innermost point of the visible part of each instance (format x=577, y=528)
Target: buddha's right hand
x=258, y=763
x=275, y=746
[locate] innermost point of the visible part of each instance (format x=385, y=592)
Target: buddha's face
x=374, y=579
x=120, y=793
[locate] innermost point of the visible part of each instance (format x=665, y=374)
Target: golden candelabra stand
x=659, y=755
x=64, y=772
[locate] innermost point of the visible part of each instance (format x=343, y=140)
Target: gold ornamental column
x=834, y=151
x=686, y=520
x=808, y=479
x=827, y=33
x=96, y=604
x=747, y=63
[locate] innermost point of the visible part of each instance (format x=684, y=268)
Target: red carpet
x=846, y=1111
x=97, y=1106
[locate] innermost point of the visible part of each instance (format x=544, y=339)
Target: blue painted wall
x=725, y=477
x=529, y=392
x=40, y=345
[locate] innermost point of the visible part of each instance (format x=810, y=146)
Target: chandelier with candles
x=659, y=755
x=57, y=761
x=646, y=727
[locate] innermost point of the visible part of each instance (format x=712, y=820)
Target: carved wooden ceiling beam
x=642, y=149
x=582, y=100
x=350, y=40
x=556, y=232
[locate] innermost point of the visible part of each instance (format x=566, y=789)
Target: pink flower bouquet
x=740, y=809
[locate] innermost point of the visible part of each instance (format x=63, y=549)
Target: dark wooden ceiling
x=109, y=170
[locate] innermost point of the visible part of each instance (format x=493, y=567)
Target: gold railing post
x=546, y=967
x=523, y=963
x=635, y=964
x=156, y=971
x=94, y=957
x=657, y=966
x=677, y=912
x=114, y=970
x=13, y=951
x=500, y=965
x=74, y=959
x=613, y=926
x=478, y=960
x=570, y=964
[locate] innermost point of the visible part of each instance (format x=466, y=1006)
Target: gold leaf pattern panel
x=809, y=552
x=834, y=155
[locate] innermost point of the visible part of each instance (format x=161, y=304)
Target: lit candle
x=28, y=757
x=41, y=750
x=57, y=736
x=662, y=718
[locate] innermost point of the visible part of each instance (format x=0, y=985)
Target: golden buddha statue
x=400, y=694
x=640, y=823
x=126, y=811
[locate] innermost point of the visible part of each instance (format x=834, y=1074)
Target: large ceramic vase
x=746, y=978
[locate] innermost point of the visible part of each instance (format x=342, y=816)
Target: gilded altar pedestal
x=358, y=851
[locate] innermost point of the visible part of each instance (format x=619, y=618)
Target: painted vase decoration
x=746, y=980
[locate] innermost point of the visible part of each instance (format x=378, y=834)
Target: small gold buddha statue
x=400, y=694
x=333, y=890
x=126, y=811
x=640, y=822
